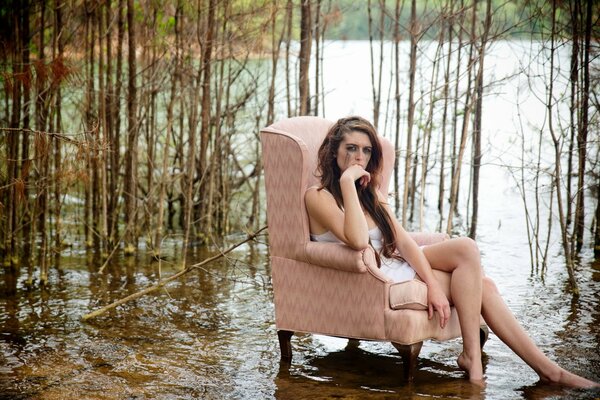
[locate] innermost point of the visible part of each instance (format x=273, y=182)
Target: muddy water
x=212, y=335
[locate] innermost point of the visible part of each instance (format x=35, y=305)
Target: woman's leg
x=460, y=257
x=502, y=322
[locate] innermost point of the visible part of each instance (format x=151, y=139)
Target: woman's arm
x=412, y=253
x=350, y=225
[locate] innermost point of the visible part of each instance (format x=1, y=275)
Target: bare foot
x=472, y=366
x=566, y=378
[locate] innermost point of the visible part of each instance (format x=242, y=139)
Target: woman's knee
x=489, y=286
x=468, y=250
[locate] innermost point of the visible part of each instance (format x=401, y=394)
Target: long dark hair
x=330, y=174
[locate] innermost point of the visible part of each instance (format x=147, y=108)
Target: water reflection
x=353, y=372
x=211, y=334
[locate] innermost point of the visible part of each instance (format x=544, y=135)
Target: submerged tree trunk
x=206, y=114
x=410, y=110
x=42, y=150
x=163, y=183
x=478, y=115
x=582, y=136
x=445, y=96
x=468, y=107
x=557, y=163
x=114, y=144
x=574, y=100
x=130, y=187
x=597, y=218
x=57, y=156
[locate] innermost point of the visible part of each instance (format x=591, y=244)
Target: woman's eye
x=351, y=148
x=367, y=151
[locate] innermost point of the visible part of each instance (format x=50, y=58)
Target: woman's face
x=355, y=149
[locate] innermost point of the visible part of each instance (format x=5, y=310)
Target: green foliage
x=513, y=18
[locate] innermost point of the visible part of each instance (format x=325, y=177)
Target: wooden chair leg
x=352, y=344
x=409, y=354
x=484, y=334
x=285, y=344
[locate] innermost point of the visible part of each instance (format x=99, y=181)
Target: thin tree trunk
x=397, y=96
x=465, y=127
x=100, y=184
x=477, y=121
x=582, y=134
x=456, y=112
x=376, y=78
x=132, y=135
x=89, y=123
x=574, y=99
x=57, y=157
x=215, y=175
x=22, y=215
x=158, y=230
x=42, y=150
x=429, y=126
x=207, y=61
x=304, y=57
x=276, y=47
x=98, y=126
x=106, y=129
x=151, y=121
x=557, y=164
x=317, y=29
x=115, y=143
x=597, y=219
x=188, y=191
x=411, y=109
x=445, y=95
x=320, y=61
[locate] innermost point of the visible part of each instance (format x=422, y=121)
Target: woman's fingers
x=444, y=312
x=359, y=174
x=444, y=319
x=364, y=180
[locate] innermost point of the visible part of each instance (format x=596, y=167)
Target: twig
x=162, y=283
x=58, y=135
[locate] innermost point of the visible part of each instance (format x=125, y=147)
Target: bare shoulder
x=323, y=213
x=315, y=196
x=319, y=203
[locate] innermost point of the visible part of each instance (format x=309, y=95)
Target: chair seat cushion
x=408, y=295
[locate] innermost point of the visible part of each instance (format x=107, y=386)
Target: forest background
x=126, y=122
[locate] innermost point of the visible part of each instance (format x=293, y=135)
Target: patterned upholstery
x=328, y=288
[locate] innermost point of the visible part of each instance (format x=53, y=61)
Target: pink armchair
x=328, y=288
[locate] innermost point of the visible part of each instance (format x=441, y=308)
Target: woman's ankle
x=471, y=363
x=563, y=377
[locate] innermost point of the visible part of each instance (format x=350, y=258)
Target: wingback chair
x=328, y=288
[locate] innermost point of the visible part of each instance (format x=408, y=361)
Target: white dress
x=397, y=270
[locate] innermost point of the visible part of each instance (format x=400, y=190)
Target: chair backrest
x=289, y=151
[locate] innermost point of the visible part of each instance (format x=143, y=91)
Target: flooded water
x=211, y=334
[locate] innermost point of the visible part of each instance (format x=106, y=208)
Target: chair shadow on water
x=353, y=372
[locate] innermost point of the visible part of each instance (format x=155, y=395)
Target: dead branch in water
x=162, y=283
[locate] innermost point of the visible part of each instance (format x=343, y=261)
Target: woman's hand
x=357, y=173
x=437, y=301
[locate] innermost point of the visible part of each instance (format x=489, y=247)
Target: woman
x=349, y=208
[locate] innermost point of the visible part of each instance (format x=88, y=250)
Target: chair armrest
x=338, y=256
x=424, y=238
x=341, y=257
